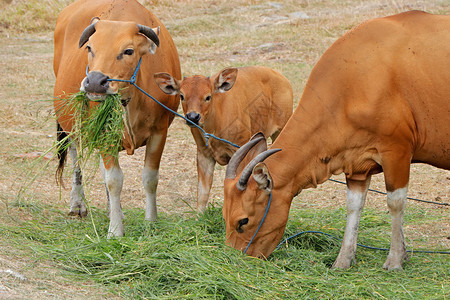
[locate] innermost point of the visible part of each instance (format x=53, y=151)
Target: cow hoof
x=151, y=216
x=114, y=235
x=341, y=265
x=72, y=213
x=395, y=262
x=151, y=219
x=201, y=209
x=391, y=266
x=82, y=213
x=344, y=261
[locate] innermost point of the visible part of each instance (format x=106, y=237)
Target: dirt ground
x=27, y=126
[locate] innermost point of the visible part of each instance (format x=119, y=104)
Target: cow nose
x=96, y=82
x=193, y=116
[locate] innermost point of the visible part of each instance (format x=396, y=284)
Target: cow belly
x=439, y=158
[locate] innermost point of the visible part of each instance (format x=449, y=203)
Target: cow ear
x=167, y=83
x=262, y=177
x=225, y=80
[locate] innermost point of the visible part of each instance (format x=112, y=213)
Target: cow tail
x=62, y=144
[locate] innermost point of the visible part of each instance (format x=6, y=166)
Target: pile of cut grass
x=96, y=127
x=184, y=257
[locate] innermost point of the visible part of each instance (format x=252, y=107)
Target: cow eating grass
x=112, y=37
x=376, y=101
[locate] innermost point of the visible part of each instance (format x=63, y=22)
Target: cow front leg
x=150, y=175
x=108, y=201
x=205, y=171
x=356, y=197
x=113, y=177
x=77, y=198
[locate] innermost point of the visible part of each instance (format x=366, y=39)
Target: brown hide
x=108, y=41
x=377, y=100
x=113, y=51
x=259, y=100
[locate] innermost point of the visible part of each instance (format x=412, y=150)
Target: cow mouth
x=96, y=96
x=192, y=125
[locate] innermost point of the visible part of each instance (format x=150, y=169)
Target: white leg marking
x=203, y=195
x=150, y=180
x=114, y=183
x=396, y=201
x=108, y=202
x=355, y=204
x=77, y=205
x=205, y=173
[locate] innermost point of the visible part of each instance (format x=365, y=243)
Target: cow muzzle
x=194, y=117
x=96, y=85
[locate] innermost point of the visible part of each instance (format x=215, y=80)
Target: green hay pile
x=99, y=127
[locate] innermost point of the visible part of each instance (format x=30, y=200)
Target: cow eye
x=241, y=223
x=208, y=98
x=128, y=52
x=90, y=50
x=181, y=97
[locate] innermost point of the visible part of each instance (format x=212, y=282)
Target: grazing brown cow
x=225, y=105
x=376, y=101
x=113, y=46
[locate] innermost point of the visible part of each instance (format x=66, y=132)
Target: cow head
x=246, y=197
x=114, y=49
x=197, y=92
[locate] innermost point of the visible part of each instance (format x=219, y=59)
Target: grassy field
x=182, y=255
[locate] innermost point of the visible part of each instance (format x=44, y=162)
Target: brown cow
x=376, y=101
x=224, y=105
x=113, y=46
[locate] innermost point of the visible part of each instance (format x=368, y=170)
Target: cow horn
x=242, y=183
x=239, y=155
x=86, y=35
x=148, y=32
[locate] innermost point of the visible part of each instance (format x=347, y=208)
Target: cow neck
x=132, y=93
x=222, y=119
x=209, y=124
x=308, y=148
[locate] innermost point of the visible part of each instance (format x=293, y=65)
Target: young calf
x=232, y=107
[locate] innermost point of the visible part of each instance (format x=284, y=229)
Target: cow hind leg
x=150, y=179
x=356, y=197
x=396, y=172
x=113, y=177
x=77, y=197
x=150, y=175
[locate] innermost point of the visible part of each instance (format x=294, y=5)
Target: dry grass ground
x=210, y=35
